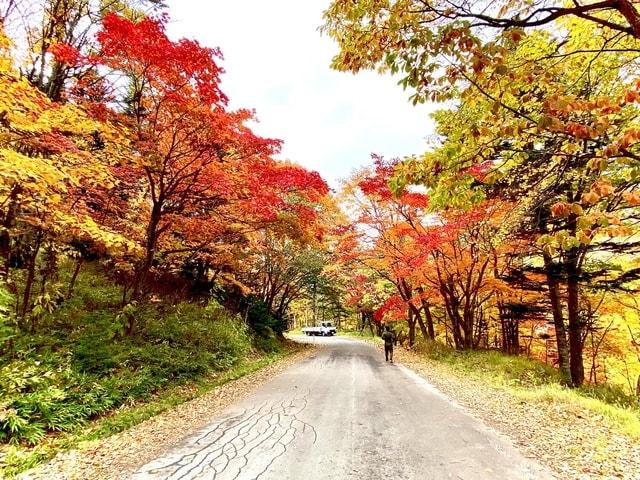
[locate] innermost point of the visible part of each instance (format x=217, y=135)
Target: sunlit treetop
x=435, y=44
x=49, y=151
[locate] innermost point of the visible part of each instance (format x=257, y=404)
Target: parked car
x=325, y=329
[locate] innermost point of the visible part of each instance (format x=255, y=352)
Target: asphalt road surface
x=344, y=414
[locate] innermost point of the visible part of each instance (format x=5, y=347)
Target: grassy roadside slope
x=69, y=373
x=18, y=458
x=537, y=382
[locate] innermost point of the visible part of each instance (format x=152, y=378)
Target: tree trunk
x=28, y=285
x=515, y=337
x=505, y=339
x=467, y=326
x=430, y=324
x=5, y=237
x=576, y=362
x=54, y=86
x=370, y=320
x=76, y=271
x=31, y=275
x=412, y=328
x=455, y=326
x=431, y=334
x=628, y=11
x=422, y=326
x=467, y=322
x=454, y=315
x=379, y=329
x=418, y=318
x=510, y=332
x=284, y=303
x=125, y=290
x=150, y=251
x=48, y=268
x=551, y=272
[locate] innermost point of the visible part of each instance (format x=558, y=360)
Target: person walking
x=388, y=336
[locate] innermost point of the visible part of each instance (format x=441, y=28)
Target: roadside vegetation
x=536, y=381
x=81, y=378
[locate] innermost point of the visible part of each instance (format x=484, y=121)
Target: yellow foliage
x=45, y=151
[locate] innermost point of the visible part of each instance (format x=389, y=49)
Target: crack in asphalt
x=257, y=436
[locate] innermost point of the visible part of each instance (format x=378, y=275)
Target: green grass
x=21, y=458
x=365, y=335
x=492, y=366
x=60, y=379
x=80, y=377
x=625, y=419
x=534, y=381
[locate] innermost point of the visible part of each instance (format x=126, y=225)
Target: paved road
x=344, y=414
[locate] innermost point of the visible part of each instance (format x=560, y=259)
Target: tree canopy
x=531, y=185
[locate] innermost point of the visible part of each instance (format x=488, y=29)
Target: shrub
x=34, y=401
x=611, y=394
x=267, y=342
x=94, y=347
x=210, y=329
x=57, y=382
x=262, y=321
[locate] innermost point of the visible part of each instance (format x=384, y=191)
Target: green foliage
x=35, y=399
x=19, y=459
x=267, y=343
x=262, y=321
x=208, y=329
x=92, y=291
x=611, y=395
x=84, y=366
x=6, y=328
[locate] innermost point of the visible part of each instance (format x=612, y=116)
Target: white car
x=326, y=329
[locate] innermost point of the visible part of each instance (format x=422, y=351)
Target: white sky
x=277, y=62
